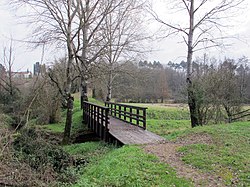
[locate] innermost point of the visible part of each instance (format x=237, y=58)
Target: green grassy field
x=167, y=121
x=227, y=156
x=126, y=166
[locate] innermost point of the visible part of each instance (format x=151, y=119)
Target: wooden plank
x=129, y=134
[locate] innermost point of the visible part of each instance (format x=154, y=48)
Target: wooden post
x=106, y=125
x=119, y=112
x=102, y=124
x=125, y=113
x=137, y=117
x=98, y=122
x=88, y=115
x=83, y=114
x=94, y=119
x=144, y=118
x=130, y=115
x=111, y=109
x=91, y=116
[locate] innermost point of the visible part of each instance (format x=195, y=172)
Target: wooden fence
x=240, y=115
x=132, y=114
x=97, y=119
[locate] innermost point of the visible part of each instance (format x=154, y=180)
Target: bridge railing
x=97, y=119
x=132, y=114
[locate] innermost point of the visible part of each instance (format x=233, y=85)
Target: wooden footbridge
x=119, y=123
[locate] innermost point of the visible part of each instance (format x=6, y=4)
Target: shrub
x=32, y=149
x=5, y=119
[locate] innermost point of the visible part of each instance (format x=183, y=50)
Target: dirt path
x=167, y=152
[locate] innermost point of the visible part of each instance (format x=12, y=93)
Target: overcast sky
x=164, y=50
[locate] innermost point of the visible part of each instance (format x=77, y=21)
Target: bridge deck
x=130, y=134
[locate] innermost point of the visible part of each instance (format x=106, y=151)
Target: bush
x=32, y=149
x=5, y=132
x=5, y=120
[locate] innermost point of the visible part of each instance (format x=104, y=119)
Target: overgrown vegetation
x=38, y=153
x=29, y=159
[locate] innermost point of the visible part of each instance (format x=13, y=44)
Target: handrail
x=97, y=119
x=135, y=115
x=240, y=115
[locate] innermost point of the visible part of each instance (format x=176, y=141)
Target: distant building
x=37, y=69
x=22, y=74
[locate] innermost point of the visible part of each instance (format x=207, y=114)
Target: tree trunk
x=67, y=130
x=94, y=92
x=84, y=62
x=192, y=102
x=108, y=98
x=192, y=105
x=229, y=113
x=83, y=92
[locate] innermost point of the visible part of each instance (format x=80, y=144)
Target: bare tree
x=91, y=16
x=122, y=33
x=203, y=21
x=163, y=87
x=54, y=22
x=6, y=79
x=242, y=72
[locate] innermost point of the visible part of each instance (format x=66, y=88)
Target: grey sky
x=169, y=49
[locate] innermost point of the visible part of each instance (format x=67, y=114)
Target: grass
x=55, y=127
x=168, y=113
x=129, y=166
x=90, y=151
x=229, y=154
x=167, y=120
x=98, y=102
x=169, y=129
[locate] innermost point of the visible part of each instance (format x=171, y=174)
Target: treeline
x=149, y=82
x=221, y=87
x=154, y=82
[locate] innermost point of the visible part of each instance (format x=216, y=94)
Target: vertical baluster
x=94, y=118
x=130, y=115
x=125, y=113
x=91, y=114
x=88, y=110
x=106, y=124
x=102, y=124
x=98, y=121
x=137, y=117
x=119, y=112
x=144, y=118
